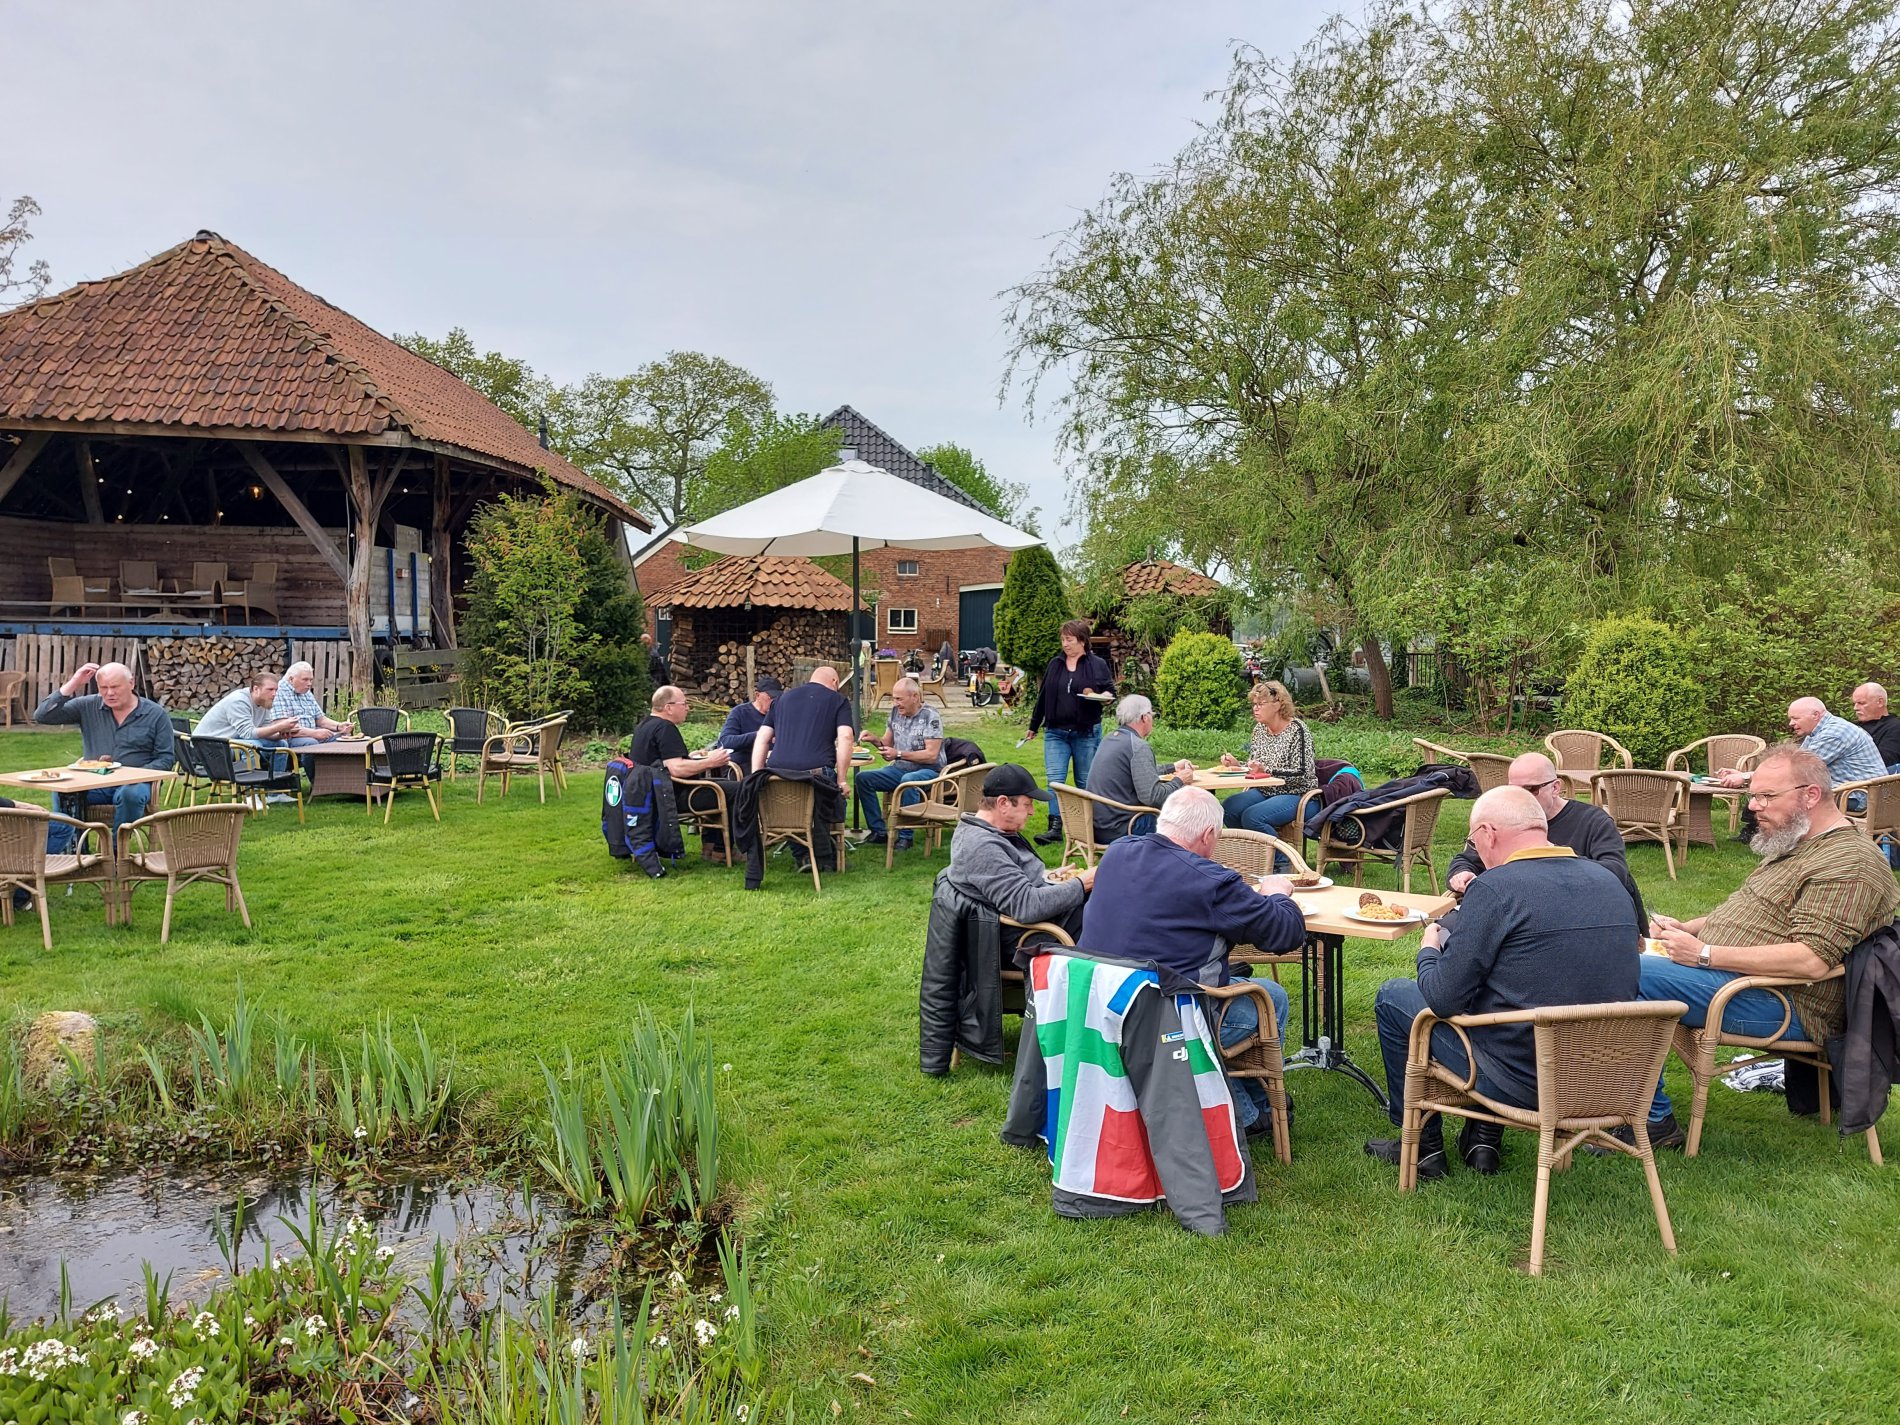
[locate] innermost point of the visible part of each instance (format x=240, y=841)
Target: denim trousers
x=1397, y=1005
x=129, y=803
x=873, y=782
x=1260, y=811
x=1063, y=747
x=1752, y=1012
x=1243, y=1022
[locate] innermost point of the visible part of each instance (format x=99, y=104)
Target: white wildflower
x=42, y=1358
x=277, y=1264
x=725, y=1068
x=359, y=1133
x=104, y=1311
x=674, y=1278
x=288, y=1342
x=704, y=1330
x=718, y=1297
x=10, y=1361
x=250, y=1322
x=181, y=1390
x=313, y=1326
x=385, y=1253
x=581, y=1349
x=205, y=1324
x=732, y=1313
x=143, y=1348
x=132, y=1417
x=742, y=1413
x=356, y=1226
x=661, y=1343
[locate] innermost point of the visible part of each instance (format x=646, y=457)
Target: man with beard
x=1821, y=889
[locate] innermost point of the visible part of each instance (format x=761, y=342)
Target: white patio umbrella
x=846, y=509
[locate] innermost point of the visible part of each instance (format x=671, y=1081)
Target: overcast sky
x=831, y=195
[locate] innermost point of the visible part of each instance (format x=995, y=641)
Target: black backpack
x=639, y=817
x=960, y=752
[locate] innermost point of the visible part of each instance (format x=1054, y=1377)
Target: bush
x=1031, y=610
x=1637, y=681
x=1201, y=682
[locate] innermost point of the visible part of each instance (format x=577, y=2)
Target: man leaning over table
x=1125, y=771
x=1848, y=752
x=295, y=699
x=1820, y=890
x=115, y=724
x=234, y=717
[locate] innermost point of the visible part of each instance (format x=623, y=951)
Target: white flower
x=132, y=1417
x=143, y=1348
x=704, y=1330
x=718, y=1297
x=10, y=1361
x=581, y=1349
x=286, y=1341
x=385, y=1253
x=180, y=1391
x=661, y=1342
x=359, y=1132
x=205, y=1324
x=727, y=1068
x=104, y=1311
x=276, y=1264
x=742, y=1412
x=732, y=1313
x=675, y=1278
x=42, y=1358
x=356, y=1226
x=313, y=1326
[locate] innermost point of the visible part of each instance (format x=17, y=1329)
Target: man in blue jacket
x=1160, y=898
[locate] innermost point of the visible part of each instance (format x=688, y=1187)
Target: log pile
x=193, y=673
x=718, y=673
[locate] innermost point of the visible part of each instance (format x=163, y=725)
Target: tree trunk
x=441, y=552
x=1381, y=676
x=356, y=586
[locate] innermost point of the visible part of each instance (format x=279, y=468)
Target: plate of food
x=1310, y=881
x=1096, y=697
x=1653, y=946
x=1374, y=911
x=1059, y=874
x=94, y=764
x=49, y=775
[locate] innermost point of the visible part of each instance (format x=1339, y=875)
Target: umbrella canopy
x=853, y=506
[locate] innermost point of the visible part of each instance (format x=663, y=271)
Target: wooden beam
x=23, y=456
x=306, y=521
x=366, y=499
x=88, y=482
x=232, y=433
x=441, y=551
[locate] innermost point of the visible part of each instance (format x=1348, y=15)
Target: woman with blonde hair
x=1282, y=745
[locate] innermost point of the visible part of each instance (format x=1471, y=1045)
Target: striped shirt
x=1830, y=893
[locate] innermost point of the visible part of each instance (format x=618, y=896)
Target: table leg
x=1323, y=984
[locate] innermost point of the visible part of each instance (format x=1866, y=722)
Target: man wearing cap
x=1160, y=898
x=743, y=722
x=992, y=862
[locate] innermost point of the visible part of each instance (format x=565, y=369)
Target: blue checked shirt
x=1849, y=752
x=302, y=706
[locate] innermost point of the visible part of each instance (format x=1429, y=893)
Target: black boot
x=1431, y=1151
x=1478, y=1145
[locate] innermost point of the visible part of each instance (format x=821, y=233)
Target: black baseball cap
x=768, y=684
x=1009, y=780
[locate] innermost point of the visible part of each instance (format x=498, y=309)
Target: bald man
x=1849, y=752
x=115, y=723
x=1541, y=926
x=1585, y=829
x=1872, y=717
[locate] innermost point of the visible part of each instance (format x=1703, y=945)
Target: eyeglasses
x=1535, y=787
x=1756, y=796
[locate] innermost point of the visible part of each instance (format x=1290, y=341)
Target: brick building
x=922, y=596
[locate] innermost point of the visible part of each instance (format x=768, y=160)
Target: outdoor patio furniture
x=380, y=722
x=521, y=748
x=1696, y=1048
x=785, y=814
x=257, y=780
x=206, y=576
x=69, y=593
x=59, y=568
x=704, y=802
x=11, y=683
x=469, y=729
x=138, y=576
x=1578, y=753
x=945, y=798
x=1597, y=1066
x=212, y=769
x=1254, y=854
x=193, y=844
x=1256, y=1057
x=25, y=864
x=886, y=671
x=1415, y=841
x=181, y=723
x=400, y=762
x=257, y=594
x=1648, y=806
x=1879, y=820
x=192, y=777
x=1077, y=809
x=931, y=686
x=1492, y=769
x=1727, y=749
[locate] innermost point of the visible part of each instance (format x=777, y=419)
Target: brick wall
x=659, y=571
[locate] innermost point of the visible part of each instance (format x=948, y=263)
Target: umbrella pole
x=857, y=673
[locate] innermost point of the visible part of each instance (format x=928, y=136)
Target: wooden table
x=72, y=783
x=1322, y=959
x=1214, y=779
x=338, y=768
x=1702, y=796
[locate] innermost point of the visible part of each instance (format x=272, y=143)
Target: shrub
x=1031, y=610
x=1637, y=681
x=1201, y=682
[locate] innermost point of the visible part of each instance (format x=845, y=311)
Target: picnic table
x=339, y=768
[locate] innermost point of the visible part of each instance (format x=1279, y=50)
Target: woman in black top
x=1073, y=723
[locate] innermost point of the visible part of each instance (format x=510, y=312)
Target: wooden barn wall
x=308, y=591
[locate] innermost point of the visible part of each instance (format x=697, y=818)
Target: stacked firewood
x=720, y=675
x=184, y=673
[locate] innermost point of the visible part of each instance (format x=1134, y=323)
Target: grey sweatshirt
x=1125, y=771
x=1006, y=874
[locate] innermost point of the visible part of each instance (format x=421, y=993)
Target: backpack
x=960, y=752
x=639, y=817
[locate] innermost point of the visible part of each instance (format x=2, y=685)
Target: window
x=907, y=568
x=903, y=620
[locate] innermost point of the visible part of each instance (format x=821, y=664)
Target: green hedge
x=1201, y=682
x=1637, y=680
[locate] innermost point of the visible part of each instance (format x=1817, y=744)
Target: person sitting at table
x=117, y=725
x=742, y=724
x=1585, y=828
x=1820, y=890
x=912, y=748
x=1281, y=746
x=657, y=742
x=1541, y=926
x=1847, y=750
x=294, y=699
x=809, y=732
x=234, y=717
x=1871, y=717
x=1067, y=709
x=1125, y=771
x=992, y=862
x=1160, y=898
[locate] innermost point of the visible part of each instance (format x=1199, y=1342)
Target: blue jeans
x=873, y=782
x=1397, y=1005
x=129, y=803
x=1061, y=748
x=1753, y=1012
x=1260, y=811
x=1243, y=1022
x=279, y=759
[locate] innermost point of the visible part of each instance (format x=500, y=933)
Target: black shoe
x=1665, y=1134
x=1431, y=1165
x=1048, y=838
x=1478, y=1145
x=1261, y=1127
x=22, y=898
x=875, y=838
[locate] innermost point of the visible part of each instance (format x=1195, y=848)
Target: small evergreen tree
x=1031, y=610
x=1637, y=681
x=1201, y=682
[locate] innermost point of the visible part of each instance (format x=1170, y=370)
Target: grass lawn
x=899, y=1239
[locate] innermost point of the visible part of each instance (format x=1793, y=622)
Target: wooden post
x=88, y=483
x=441, y=587
x=751, y=674
x=298, y=511
x=366, y=503
x=23, y=455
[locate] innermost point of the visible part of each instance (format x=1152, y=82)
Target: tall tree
x=757, y=457
x=510, y=384
x=15, y=285
x=1008, y=500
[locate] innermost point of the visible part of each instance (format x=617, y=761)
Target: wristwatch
x=1703, y=958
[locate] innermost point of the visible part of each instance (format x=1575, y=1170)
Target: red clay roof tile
x=767, y=580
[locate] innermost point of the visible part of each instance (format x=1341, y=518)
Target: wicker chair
x=1597, y=1066
x=1492, y=769
x=1077, y=809
x=1257, y=1057
x=1414, y=848
x=785, y=814
x=11, y=682
x=1648, y=806
x=1253, y=854
x=469, y=729
x=1696, y=1048
x=886, y=672
x=1879, y=820
x=703, y=802
x=257, y=594
x=399, y=762
x=194, y=844
x=207, y=575
x=945, y=798
x=25, y=864
x=380, y=722
x=1729, y=749
x=931, y=686
x=521, y=748
x=1578, y=753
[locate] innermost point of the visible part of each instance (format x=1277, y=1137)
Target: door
x=976, y=617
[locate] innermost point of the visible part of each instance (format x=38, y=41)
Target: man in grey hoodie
x=992, y=862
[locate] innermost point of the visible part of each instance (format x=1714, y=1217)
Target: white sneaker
x=278, y=799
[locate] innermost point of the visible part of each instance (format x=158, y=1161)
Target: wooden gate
x=330, y=657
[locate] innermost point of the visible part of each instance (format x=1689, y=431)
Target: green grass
x=899, y=1239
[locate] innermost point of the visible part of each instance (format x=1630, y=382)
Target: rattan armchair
x=704, y=802
x=785, y=814
x=1648, y=806
x=193, y=844
x=256, y=594
x=1254, y=854
x=1256, y=1057
x=521, y=748
x=1492, y=769
x=401, y=762
x=1879, y=820
x=931, y=686
x=1578, y=753
x=1696, y=1048
x=1729, y=749
x=1077, y=810
x=885, y=672
x=26, y=865
x=1420, y=811
x=1597, y=1066
x=11, y=681
x=945, y=798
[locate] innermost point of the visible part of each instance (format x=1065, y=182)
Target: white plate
x=1053, y=879
x=1096, y=697
x=1324, y=882
x=1412, y=918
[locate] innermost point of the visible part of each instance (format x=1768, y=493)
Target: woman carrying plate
x=1282, y=746
x=1069, y=709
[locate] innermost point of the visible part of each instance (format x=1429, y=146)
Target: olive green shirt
x=1830, y=893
